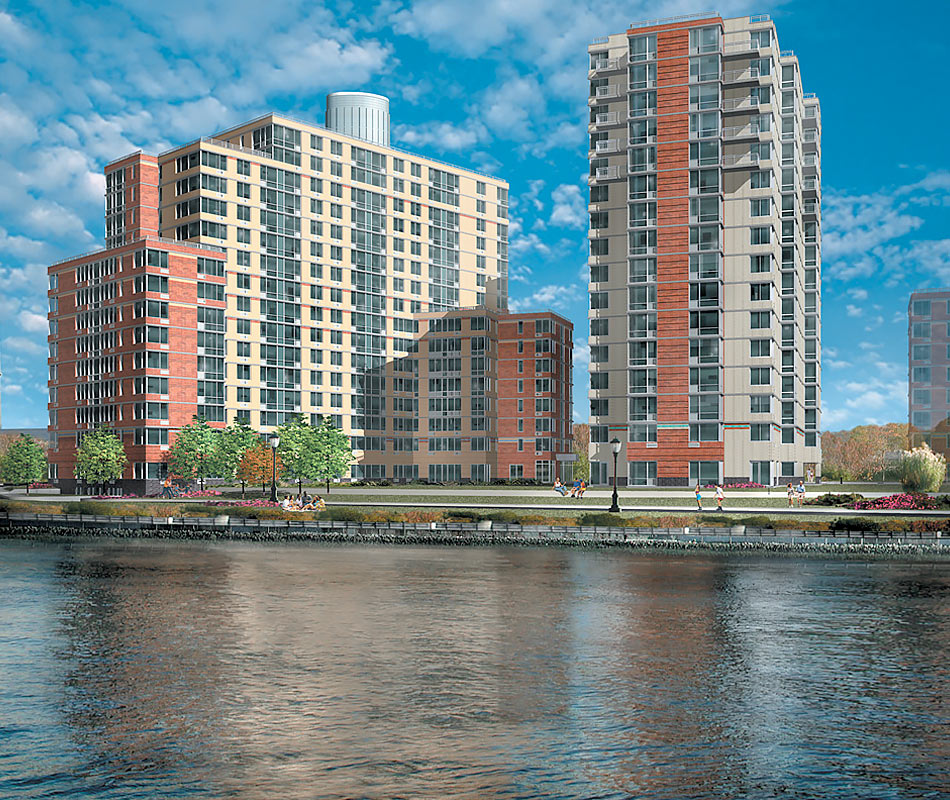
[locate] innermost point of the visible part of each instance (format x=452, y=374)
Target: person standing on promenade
x=699, y=497
x=790, y=491
x=719, y=497
x=800, y=491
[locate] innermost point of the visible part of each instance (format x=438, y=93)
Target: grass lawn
x=776, y=501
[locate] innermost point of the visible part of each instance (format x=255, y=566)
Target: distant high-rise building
x=928, y=333
x=280, y=268
x=705, y=255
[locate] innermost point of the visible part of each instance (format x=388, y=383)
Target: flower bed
x=193, y=493
x=898, y=502
x=113, y=497
x=41, y=485
x=737, y=486
x=242, y=503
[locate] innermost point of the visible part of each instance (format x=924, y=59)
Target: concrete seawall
x=78, y=527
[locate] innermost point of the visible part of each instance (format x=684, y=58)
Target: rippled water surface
x=225, y=670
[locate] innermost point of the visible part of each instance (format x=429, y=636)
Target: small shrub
x=922, y=470
x=422, y=516
x=603, y=519
x=674, y=522
x=855, y=524
x=342, y=515
x=835, y=500
x=757, y=521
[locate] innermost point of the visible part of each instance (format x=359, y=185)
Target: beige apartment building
x=276, y=268
x=705, y=255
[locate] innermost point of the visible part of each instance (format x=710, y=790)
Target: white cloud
x=527, y=243
x=23, y=345
x=858, y=294
x=441, y=135
x=12, y=388
x=581, y=355
x=854, y=311
x=554, y=296
x=31, y=322
x=856, y=224
x=570, y=207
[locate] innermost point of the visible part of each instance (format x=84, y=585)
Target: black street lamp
x=274, y=441
x=615, y=446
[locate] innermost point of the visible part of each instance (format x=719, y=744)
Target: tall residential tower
x=705, y=255
x=928, y=333
x=281, y=268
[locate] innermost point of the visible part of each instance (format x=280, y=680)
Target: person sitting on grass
x=318, y=504
x=576, y=487
x=581, y=489
x=559, y=487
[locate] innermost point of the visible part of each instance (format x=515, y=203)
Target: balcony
x=748, y=104
x=740, y=160
x=606, y=146
x=605, y=119
x=604, y=93
x=609, y=173
x=736, y=132
x=601, y=65
x=747, y=75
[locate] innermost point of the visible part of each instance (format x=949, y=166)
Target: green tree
x=298, y=451
x=24, y=462
x=334, y=454
x=100, y=457
x=234, y=441
x=196, y=453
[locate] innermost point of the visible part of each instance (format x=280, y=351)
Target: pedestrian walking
x=719, y=497
x=699, y=497
x=167, y=487
x=790, y=491
x=801, y=493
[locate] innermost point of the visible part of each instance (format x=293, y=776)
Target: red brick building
x=130, y=327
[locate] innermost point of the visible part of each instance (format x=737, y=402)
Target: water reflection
x=240, y=671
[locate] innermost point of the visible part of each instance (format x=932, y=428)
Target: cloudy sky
x=500, y=86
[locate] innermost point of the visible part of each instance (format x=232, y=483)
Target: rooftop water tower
x=359, y=114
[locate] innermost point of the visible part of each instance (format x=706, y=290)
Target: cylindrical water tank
x=359, y=114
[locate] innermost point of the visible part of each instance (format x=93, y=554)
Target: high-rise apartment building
x=705, y=255
x=928, y=333
x=281, y=267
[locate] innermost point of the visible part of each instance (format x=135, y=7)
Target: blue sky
x=500, y=87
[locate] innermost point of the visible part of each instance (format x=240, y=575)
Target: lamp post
x=615, y=447
x=274, y=441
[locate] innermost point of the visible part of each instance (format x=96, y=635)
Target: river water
x=167, y=670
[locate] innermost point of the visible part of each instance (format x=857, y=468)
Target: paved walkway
x=628, y=503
